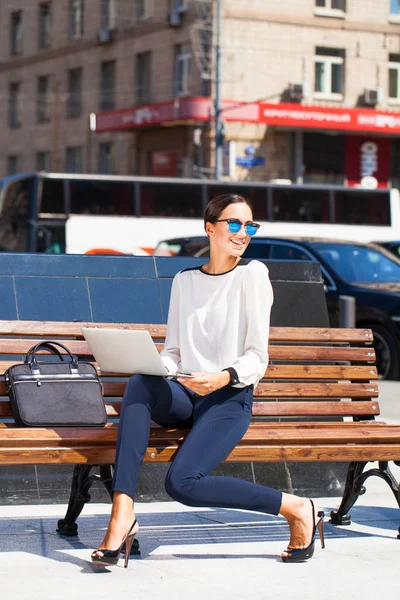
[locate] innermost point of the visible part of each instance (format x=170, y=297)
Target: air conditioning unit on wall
x=373, y=96
x=296, y=92
x=105, y=35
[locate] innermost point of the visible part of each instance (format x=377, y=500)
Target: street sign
x=250, y=161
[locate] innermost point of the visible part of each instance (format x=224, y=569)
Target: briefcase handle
x=49, y=345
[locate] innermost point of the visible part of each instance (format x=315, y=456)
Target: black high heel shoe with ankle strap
x=303, y=554
x=111, y=557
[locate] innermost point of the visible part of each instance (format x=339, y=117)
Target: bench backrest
x=314, y=373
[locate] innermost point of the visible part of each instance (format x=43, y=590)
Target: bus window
x=101, y=197
x=52, y=200
x=362, y=208
x=170, y=199
x=307, y=206
x=257, y=197
x=14, y=215
x=50, y=237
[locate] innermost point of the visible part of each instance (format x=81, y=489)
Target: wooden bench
x=317, y=402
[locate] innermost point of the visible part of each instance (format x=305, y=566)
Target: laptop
x=126, y=351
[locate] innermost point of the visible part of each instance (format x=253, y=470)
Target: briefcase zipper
x=39, y=382
x=52, y=377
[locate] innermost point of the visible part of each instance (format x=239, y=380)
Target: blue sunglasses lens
x=251, y=229
x=234, y=226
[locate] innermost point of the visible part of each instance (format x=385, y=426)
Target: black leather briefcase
x=55, y=393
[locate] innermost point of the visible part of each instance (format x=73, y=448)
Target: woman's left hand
x=206, y=383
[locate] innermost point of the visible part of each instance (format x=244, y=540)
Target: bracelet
x=233, y=374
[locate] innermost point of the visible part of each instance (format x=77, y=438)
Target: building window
x=14, y=115
x=329, y=72
x=331, y=4
x=144, y=9
x=143, y=78
x=76, y=11
x=43, y=99
x=74, y=99
x=107, y=14
x=183, y=62
x=74, y=160
x=45, y=25
x=13, y=165
x=394, y=77
x=395, y=7
x=106, y=159
x=107, y=85
x=43, y=161
x=16, y=33
x=180, y=5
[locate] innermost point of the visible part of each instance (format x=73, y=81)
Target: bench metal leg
x=82, y=481
x=350, y=494
x=355, y=487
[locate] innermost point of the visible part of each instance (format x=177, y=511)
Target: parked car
x=368, y=272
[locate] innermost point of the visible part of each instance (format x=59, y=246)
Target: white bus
x=93, y=214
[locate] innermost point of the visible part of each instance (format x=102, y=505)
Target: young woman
x=218, y=326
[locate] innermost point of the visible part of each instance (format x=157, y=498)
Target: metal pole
x=218, y=119
x=299, y=157
x=347, y=311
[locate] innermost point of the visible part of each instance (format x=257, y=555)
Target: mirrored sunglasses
x=234, y=225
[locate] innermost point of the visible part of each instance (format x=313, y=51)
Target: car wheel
x=387, y=352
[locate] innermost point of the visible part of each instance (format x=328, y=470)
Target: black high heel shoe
x=303, y=554
x=111, y=557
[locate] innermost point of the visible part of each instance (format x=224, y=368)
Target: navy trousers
x=217, y=423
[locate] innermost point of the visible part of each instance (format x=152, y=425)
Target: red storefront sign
x=183, y=110
x=322, y=117
x=367, y=156
x=164, y=164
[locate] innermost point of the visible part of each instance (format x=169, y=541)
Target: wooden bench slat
x=322, y=353
x=294, y=371
x=272, y=389
x=59, y=328
x=315, y=409
x=254, y=453
x=316, y=390
x=307, y=453
x=50, y=329
x=281, y=353
x=316, y=334
x=287, y=390
x=258, y=433
x=274, y=409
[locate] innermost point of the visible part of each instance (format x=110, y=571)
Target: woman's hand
x=206, y=383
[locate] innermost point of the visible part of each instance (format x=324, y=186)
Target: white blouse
x=220, y=321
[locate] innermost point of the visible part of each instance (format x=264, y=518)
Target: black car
x=368, y=272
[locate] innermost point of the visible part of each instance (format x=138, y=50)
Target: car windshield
x=181, y=247
x=359, y=264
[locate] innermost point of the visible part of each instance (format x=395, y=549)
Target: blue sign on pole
x=250, y=161
x=250, y=150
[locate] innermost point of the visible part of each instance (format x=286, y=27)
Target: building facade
x=310, y=88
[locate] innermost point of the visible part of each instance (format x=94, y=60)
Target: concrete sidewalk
x=213, y=553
